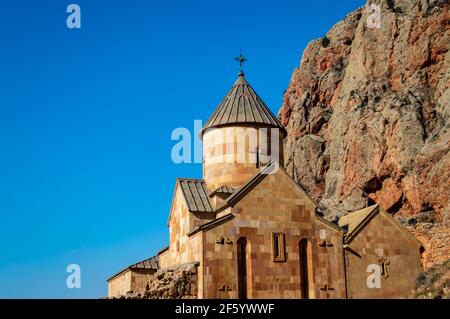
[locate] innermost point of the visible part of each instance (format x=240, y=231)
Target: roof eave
x=244, y=124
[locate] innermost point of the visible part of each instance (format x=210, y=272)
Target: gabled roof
x=357, y=221
x=211, y=224
x=329, y=224
x=242, y=191
x=225, y=189
x=269, y=169
x=149, y=263
x=195, y=193
x=354, y=219
x=242, y=106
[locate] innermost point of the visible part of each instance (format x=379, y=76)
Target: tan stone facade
x=129, y=280
x=253, y=232
x=233, y=154
x=256, y=217
x=383, y=242
x=336, y=260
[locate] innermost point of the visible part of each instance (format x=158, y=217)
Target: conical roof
x=243, y=106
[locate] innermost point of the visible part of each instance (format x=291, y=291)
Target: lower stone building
x=133, y=278
x=252, y=232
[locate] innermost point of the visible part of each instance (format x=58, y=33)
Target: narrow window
x=242, y=267
x=303, y=254
x=269, y=143
x=278, y=247
x=257, y=157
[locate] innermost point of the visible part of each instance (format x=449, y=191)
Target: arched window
x=303, y=259
x=242, y=267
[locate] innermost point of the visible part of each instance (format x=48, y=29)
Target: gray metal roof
x=150, y=263
x=242, y=106
x=196, y=194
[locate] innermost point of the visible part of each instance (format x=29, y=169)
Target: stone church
x=250, y=231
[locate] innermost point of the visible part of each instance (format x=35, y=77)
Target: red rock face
x=367, y=113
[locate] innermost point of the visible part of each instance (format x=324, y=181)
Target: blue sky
x=86, y=117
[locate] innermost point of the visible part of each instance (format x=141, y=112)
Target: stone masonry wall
x=178, y=282
x=230, y=157
x=257, y=215
x=382, y=239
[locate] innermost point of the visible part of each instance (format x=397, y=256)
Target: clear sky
x=86, y=116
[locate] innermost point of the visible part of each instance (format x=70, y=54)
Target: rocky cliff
x=367, y=113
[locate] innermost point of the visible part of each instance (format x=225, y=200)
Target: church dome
x=240, y=137
x=243, y=106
